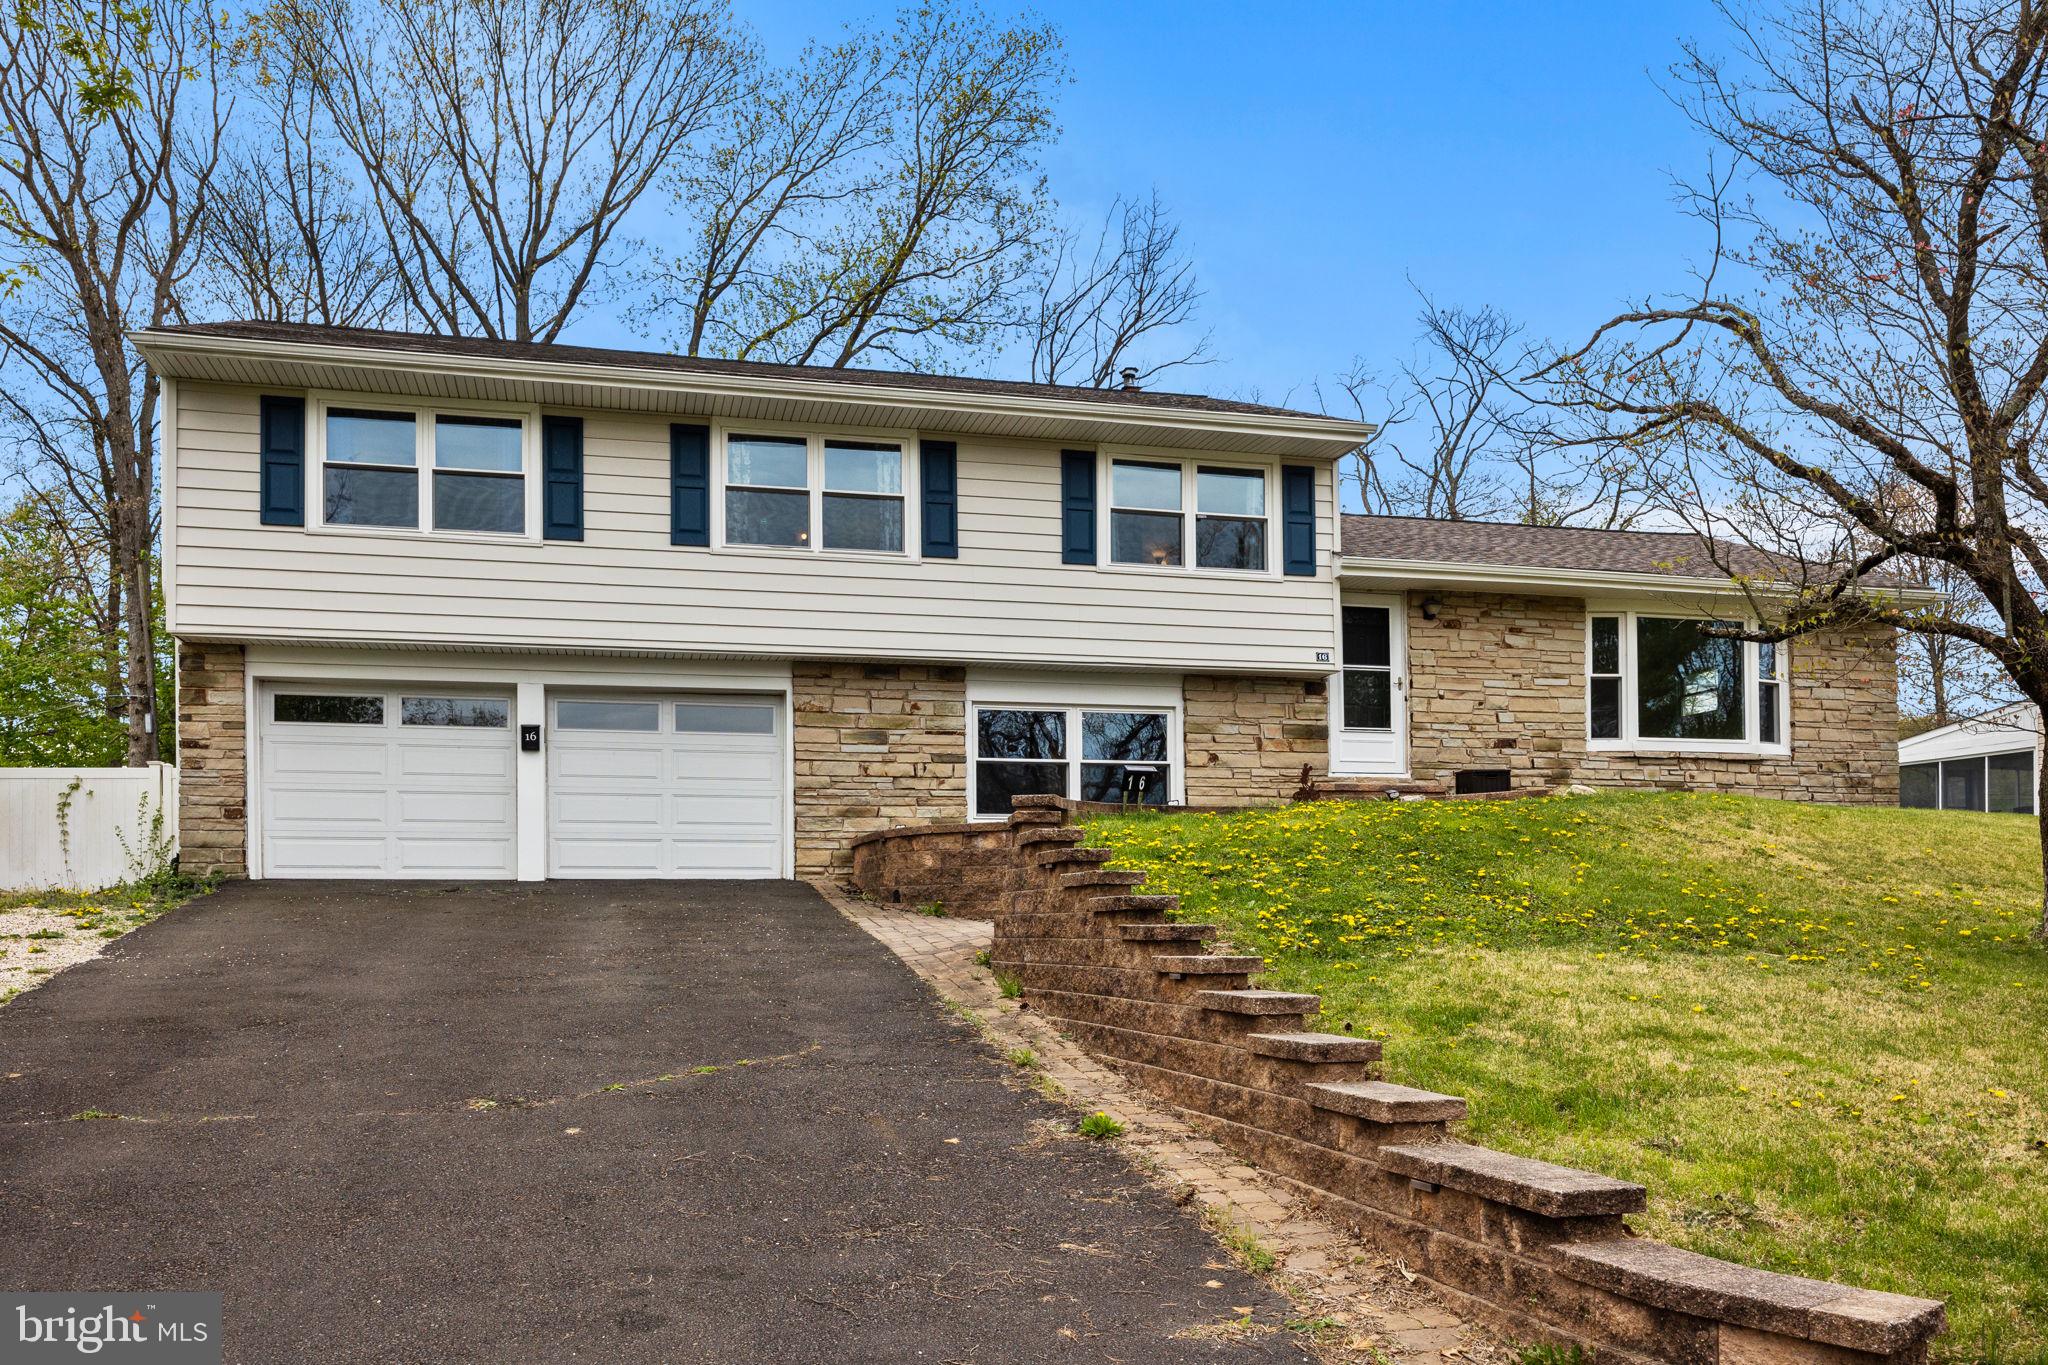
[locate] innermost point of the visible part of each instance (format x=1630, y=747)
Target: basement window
x=1121, y=756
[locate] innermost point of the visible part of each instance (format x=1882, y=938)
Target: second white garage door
x=682, y=785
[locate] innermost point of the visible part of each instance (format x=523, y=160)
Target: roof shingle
x=516, y=352
x=1675, y=554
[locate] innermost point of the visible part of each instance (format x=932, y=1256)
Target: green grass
x=1818, y=1034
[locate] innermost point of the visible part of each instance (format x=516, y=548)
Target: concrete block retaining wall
x=1541, y=1252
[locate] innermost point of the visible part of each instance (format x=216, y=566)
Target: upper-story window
x=415, y=469
x=1671, y=682
x=815, y=492
x=1149, y=501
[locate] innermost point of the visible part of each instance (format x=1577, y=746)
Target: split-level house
x=462, y=608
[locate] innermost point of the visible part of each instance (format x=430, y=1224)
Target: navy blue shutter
x=1298, y=519
x=282, y=434
x=939, y=471
x=561, y=490
x=1077, y=507
x=689, y=475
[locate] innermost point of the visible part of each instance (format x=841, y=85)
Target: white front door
x=1370, y=696
x=360, y=780
x=676, y=785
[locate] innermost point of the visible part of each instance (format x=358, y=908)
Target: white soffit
x=815, y=402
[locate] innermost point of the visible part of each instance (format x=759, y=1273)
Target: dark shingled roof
x=1676, y=554
x=515, y=352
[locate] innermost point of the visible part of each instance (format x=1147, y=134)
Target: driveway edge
x=1369, y=1309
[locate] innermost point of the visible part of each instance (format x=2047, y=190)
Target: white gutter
x=1424, y=572
x=1341, y=432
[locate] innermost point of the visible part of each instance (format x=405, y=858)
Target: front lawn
x=1818, y=1034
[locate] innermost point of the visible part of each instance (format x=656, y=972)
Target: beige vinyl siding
x=1006, y=599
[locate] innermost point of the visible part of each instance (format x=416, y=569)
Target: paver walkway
x=610, y=1122
x=1373, y=1313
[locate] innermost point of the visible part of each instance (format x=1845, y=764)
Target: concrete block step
x=1074, y=857
x=1385, y=1102
x=1105, y=905
x=1517, y=1181
x=1314, y=1047
x=1082, y=881
x=1035, y=836
x=1888, y=1326
x=1208, y=964
x=1258, y=1002
x=1168, y=933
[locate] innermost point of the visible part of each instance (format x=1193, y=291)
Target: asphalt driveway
x=574, y=1121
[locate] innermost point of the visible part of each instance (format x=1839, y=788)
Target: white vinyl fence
x=81, y=829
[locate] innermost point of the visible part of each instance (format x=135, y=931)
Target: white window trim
x=1106, y=459
x=423, y=415
x=815, y=439
x=1632, y=743
x=1175, y=752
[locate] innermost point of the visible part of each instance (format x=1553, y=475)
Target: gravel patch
x=35, y=944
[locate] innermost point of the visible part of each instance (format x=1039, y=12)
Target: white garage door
x=371, y=781
x=670, y=786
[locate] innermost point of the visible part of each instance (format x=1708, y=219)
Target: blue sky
x=1321, y=155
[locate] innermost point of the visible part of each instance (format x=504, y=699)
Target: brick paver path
x=1375, y=1314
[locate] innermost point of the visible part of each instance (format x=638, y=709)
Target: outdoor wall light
x=1430, y=608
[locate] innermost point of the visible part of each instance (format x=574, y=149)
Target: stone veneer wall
x=213, y=763
x=875, y=745
x=1247, y=738
x=1540, y=1251
x=1499, y=681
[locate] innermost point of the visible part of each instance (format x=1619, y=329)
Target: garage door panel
x=491, y=812
x=604, y=762
x=725, y=811
x=467, y=856
x=595, y=857
x=440, y=762
x=699, y=767
x=722, y=857
x=324, y=760
x=609, y=810
x=328, y=855
x=328, y=809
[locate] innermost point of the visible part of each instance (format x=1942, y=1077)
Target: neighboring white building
x=1985, y=763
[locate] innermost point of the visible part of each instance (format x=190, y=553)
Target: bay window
x=1086, y=753
x=1673, y=682
x=810, y=492
x=1149, y=501
x=379, y=467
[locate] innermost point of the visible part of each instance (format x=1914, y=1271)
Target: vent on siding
x=1471, y=781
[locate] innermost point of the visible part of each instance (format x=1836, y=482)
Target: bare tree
x=1876, y=317
x=1125, y=301
x=109, y=117
x=1457, y=441
x=289, y=236
x=930, y=252
x=503, y=144
x=802, y=143
x=1943, y=678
